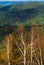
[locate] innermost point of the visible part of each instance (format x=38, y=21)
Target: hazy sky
x=21, y=0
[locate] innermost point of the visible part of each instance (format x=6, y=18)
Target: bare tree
x=24, y=52
x=25, y=48
x=40, y=50
x=33, y=50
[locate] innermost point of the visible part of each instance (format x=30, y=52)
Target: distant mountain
x=22, y=14
x=4, y=3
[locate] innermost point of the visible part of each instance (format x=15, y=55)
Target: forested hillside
x=22, y=34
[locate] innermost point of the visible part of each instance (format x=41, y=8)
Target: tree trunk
x=32, y=46
x=8, y=52
x=24, y=56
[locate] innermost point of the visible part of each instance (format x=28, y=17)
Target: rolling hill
x=22, y=14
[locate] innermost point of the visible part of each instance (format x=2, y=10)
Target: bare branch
x=22, y=40
x=19, y=48
x=40, y=50
x=37, y=59
x=35, y=50
x=28, y=46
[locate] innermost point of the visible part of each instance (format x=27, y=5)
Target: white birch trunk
x=40, y=50
x=41, y=57
x=24, y=56
x=24, y=49
x=32, y=47
x=8, y=52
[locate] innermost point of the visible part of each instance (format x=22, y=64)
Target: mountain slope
x=17, y=14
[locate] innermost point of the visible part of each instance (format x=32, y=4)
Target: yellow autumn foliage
x=4, y=57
